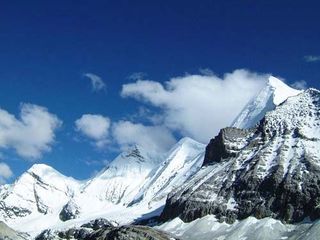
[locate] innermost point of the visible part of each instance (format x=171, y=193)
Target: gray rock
x=272, y=170
x=102, y=229
x=98, y=224
x=69, y=211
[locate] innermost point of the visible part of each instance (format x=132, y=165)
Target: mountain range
x=261, y=171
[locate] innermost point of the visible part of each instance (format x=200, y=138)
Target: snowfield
x=208, y=228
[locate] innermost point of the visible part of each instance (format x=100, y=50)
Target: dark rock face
x=270, y=171
x=98, y=224
x=102, y=229
x=219, y=150
x=12, y=211
x=69, y=211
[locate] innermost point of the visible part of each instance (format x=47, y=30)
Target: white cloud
x=198, y=105
x=32, y=134
x=312, y=58
x=95, y=127
x=300, y=85
x=5, y=172
x=152, y=138
x=97, y=83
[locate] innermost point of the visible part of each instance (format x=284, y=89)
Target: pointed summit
x=272, y=168
x=281, y=91
x=41, y=169
x=271, y=95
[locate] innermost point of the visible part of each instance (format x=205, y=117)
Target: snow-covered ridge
x=273, y=171
x=133, y=184
x=271, y=95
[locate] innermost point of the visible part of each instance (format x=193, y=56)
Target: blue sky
x=47, y=47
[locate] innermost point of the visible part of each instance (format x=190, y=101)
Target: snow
x=208, y=228
x=182, y=161
x=272, y=94
x=133, y=186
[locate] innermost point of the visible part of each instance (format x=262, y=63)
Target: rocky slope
x=39, y=190
x=272, y=170
x=8, y=233
x=101, y=229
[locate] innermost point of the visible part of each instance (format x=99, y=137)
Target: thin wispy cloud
x=312, y=58
x=300, y=85
x=156, y=139
x=137, y=75
x=206, y=71
x=97, y=83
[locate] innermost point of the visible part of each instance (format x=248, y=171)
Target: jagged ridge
x=274, y=171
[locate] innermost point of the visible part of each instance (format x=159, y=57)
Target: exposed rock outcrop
x=102, y=229
x=69, y=211
x=272, y=170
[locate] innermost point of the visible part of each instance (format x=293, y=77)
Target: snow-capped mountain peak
x=271, y=170
x=44, y=171
x=271, y=95
x=281, y=91
x=124, y=176
x=182, y=161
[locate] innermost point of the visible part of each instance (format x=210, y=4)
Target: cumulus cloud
x=97, y=83
x=32, y=134
x=198, y=105
x=300, y=85
x=95, y=127
x=311, y=58
x=5, y=172
x=152, y=138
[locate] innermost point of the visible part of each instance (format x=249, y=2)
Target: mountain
x=271, y=95
x=272, y=170
x=39, y=190
x=132, y=186
x=267, y=168
x=122, y=179
x=181, y=162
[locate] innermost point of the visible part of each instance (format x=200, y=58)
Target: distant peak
x=276, y=82
x=271, y=95
x=41, y=169
x=39, y=166
x=187, y=140
x=134, y=152
x=281, y=91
